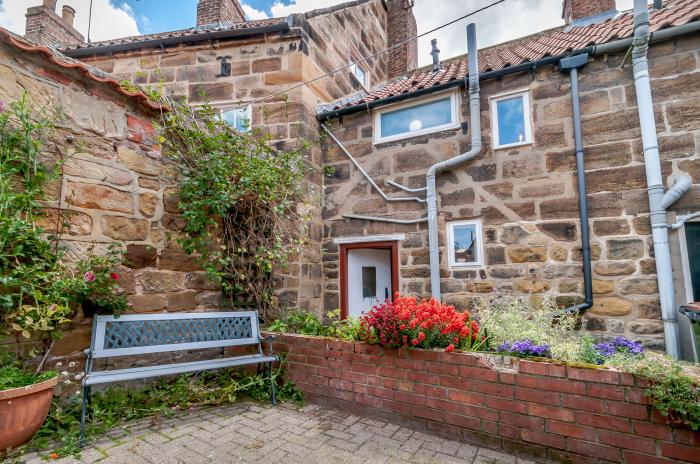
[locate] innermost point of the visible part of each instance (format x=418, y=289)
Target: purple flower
x=617, y=345
x=525, y=348
x=2, y=106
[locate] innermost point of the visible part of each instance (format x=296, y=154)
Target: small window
x=464, y=244
x=510, y=115
x=413, y=119
x=238, y=118
x=369, y=282
x=360, y=74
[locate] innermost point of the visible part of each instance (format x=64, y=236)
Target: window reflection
x=511, y=120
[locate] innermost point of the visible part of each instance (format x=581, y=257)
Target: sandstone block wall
x=526, y=197
x=114, y=187
x=263, y=66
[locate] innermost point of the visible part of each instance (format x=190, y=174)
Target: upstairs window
x=417, y=118
x=510, y=116
x=464, y=244
x=360, y=74
x=238, y=118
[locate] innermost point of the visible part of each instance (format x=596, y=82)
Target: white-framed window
x=511, y=119
x=465, y=244
x=360, y=74
x=238, y=118
x=418, y=117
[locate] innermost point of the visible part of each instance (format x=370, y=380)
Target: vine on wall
x=241, y=199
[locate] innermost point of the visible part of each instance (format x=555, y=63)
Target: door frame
x=391, y=245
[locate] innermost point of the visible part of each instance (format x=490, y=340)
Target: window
x=510, y=115
x=238, y=118
x=464, y=244
x=360, y=74
x=412, y=119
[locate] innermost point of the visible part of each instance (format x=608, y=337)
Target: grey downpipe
x=431, y=198
x=655, y=189
x=572, y=64
x=364, y=173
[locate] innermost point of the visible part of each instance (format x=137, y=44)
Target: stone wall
x=541, y=411
x=526, y=197
x=264, y=67
x=114, y=188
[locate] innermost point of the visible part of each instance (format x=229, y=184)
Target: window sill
x=512, y=145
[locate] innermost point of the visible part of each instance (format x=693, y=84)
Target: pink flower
x=114, y=276
x=89, y=276
x=2, y=106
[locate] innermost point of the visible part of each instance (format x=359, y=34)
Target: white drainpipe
x=658, y=199
x=431, y=198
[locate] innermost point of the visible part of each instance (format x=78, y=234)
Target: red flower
x=449, y=348
x=114, y=276
x=415, y=341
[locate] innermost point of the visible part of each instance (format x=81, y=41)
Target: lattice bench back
x=134, y=334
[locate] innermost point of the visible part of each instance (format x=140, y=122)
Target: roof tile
x=534, y=47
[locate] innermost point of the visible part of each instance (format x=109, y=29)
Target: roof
x=86, y=70
x=553, y=42
x=251, y=26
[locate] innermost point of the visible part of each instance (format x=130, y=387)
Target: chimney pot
x=583, y=12
x=68, y=15
x=50, y=4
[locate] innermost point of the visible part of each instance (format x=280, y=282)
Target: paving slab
x=254, y=433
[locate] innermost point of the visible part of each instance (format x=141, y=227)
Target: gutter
x=435, y=169
x=171, y=41
x=614, y=46
x=572, y=65
x=659, y=198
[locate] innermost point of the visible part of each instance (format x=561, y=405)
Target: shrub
x=409, y=322
x=674, y=385
x=520, y=319
x=306, y=323
x=13, y=376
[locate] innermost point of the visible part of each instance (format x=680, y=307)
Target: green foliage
x=13, y=376
x=509, y=320
x=307, y=323
x=674, y=385
x=241, y=200
x=99, y=285
x=38, y=292
x=60, y=432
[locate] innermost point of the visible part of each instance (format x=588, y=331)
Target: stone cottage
x=508, y=219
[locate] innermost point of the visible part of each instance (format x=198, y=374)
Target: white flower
x=66, y=382
x=71, y=364
x=64, y=373
x=59, y=364
x=79, y=376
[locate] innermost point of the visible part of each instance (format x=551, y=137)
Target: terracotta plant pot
x=23, y=410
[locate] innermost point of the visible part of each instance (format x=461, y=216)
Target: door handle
x=386, y=293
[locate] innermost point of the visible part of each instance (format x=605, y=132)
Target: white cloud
x=279, y=9
x=110, y=19
x=253, y=13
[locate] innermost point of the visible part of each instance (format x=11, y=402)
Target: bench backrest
x=132, y=334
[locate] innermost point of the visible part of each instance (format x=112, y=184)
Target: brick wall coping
x=545, y=411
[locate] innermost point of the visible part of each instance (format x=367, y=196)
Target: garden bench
x=139, y=334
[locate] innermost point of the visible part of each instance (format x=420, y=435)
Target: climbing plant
x=241, y=200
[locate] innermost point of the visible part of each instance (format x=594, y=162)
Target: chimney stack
x=45, y=27
x=401, y=27
x=219, y=12
x=68, y=15
x=583, y=12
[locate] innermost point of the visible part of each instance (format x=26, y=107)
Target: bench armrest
x=269, y=339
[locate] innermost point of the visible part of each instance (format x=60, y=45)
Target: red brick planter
x=544, y=411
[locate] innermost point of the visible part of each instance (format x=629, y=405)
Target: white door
x=369, y=279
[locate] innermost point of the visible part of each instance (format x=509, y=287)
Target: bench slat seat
x=119, y=375
x=146, y=334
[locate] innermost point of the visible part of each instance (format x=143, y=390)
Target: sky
x=122, y=18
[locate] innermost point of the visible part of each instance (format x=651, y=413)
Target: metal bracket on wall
x=225, y=66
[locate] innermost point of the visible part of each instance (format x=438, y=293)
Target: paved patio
x=249, y=432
